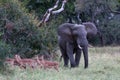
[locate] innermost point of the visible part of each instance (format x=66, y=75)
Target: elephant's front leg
x=70, y=54
x=78, y=56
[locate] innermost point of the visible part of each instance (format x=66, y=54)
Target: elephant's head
x=77, y=32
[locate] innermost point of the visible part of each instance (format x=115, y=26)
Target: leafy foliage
x=49, y=34
x=17, y=29
x=23, y=36
x=107, y=22
x=5, y=50
x=19, y=34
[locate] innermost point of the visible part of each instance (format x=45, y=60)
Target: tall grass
x=104, y=64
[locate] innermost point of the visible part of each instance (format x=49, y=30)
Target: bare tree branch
x=50, y=11
x=78, y=18
x=56, y=5
x=61, y=9
x=47, y=14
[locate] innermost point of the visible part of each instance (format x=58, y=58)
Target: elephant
x=72, y=39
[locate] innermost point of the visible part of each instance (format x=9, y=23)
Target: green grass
x=104, y=64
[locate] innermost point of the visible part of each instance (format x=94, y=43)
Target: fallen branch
x=32, y=63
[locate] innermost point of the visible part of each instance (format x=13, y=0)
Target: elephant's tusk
x=79, y=47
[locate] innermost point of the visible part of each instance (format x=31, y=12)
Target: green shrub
x=5, y=50
x=24, y=37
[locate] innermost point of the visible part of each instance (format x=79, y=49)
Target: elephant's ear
x=90, y=28
x=65, y=29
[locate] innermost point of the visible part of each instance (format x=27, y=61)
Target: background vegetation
x=20, y=35
x=105, y=14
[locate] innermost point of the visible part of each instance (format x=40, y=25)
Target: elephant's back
x=65, y=25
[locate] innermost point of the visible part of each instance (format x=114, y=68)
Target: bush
x=4, y=51
x=19, y=31
x=111, y=31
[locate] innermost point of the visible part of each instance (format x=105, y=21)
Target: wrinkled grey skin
x=70, y=36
